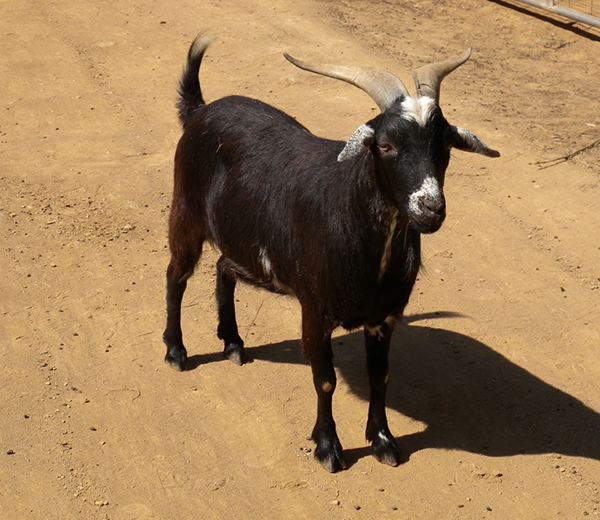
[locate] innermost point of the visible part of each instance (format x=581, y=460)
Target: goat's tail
x=190, y=95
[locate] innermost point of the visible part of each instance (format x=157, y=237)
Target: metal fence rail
x=591, y=7
x=582, y=11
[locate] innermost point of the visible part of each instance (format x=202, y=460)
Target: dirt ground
x=494, y=394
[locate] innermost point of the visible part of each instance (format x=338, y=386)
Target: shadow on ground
x=470, y=397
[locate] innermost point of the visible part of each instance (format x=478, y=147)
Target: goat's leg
x=227, y=329
x=176, y=355
x=377, y=342
x=316, y=343
x=184, y=257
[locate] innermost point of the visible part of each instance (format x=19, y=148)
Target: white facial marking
x=430, y=189
x=418, y=109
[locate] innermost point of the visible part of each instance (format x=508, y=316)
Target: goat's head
x=410, y=140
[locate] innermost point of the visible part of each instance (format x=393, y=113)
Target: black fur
x=287, y=216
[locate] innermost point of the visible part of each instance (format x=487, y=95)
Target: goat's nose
x=435, y=205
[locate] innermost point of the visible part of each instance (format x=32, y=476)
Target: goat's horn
x=428, y=79
x=383, y=87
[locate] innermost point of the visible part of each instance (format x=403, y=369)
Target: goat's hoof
x=329, y=455
x=235, y=353
x=386, y=451
x=177, y=360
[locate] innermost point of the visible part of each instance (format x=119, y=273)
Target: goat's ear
x=465, y=140
x=359, y=140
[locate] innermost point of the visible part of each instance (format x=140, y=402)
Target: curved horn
x=383, y=87
x=428, y=79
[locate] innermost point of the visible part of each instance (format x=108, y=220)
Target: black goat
x=337, y=225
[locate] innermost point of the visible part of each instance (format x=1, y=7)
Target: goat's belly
x=371, y=318
x=257, y=275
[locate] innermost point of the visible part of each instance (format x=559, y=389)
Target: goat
x=337, y=225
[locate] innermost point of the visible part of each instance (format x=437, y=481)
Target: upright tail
x=190, y=95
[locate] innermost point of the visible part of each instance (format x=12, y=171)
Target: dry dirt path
x=494, y=394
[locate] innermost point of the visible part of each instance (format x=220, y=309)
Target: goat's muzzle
x=427, y=214
x=427, y=207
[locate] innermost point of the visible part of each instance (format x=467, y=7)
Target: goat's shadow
x=470, y=397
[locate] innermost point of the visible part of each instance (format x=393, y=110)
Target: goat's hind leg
x=227, y=329
x=179, y=270
x=377, y=342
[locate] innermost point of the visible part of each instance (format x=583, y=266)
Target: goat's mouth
x=426, y=224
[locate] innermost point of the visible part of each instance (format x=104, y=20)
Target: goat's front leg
x=227, y=329
x=316, y=343
x=377, y=342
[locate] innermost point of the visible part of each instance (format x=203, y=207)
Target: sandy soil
x=494, y=393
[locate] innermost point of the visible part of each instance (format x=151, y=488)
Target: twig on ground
x=565, y=158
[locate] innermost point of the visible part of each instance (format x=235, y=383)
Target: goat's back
x=284, y=212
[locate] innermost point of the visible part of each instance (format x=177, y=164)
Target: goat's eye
x=386, y=148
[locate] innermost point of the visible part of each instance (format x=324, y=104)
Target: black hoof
x=385, y=450
x=235, y=353
x=329, y=455
x=177, y=359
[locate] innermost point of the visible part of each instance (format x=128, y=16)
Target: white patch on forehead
x=430, y=190
x=418, y=109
